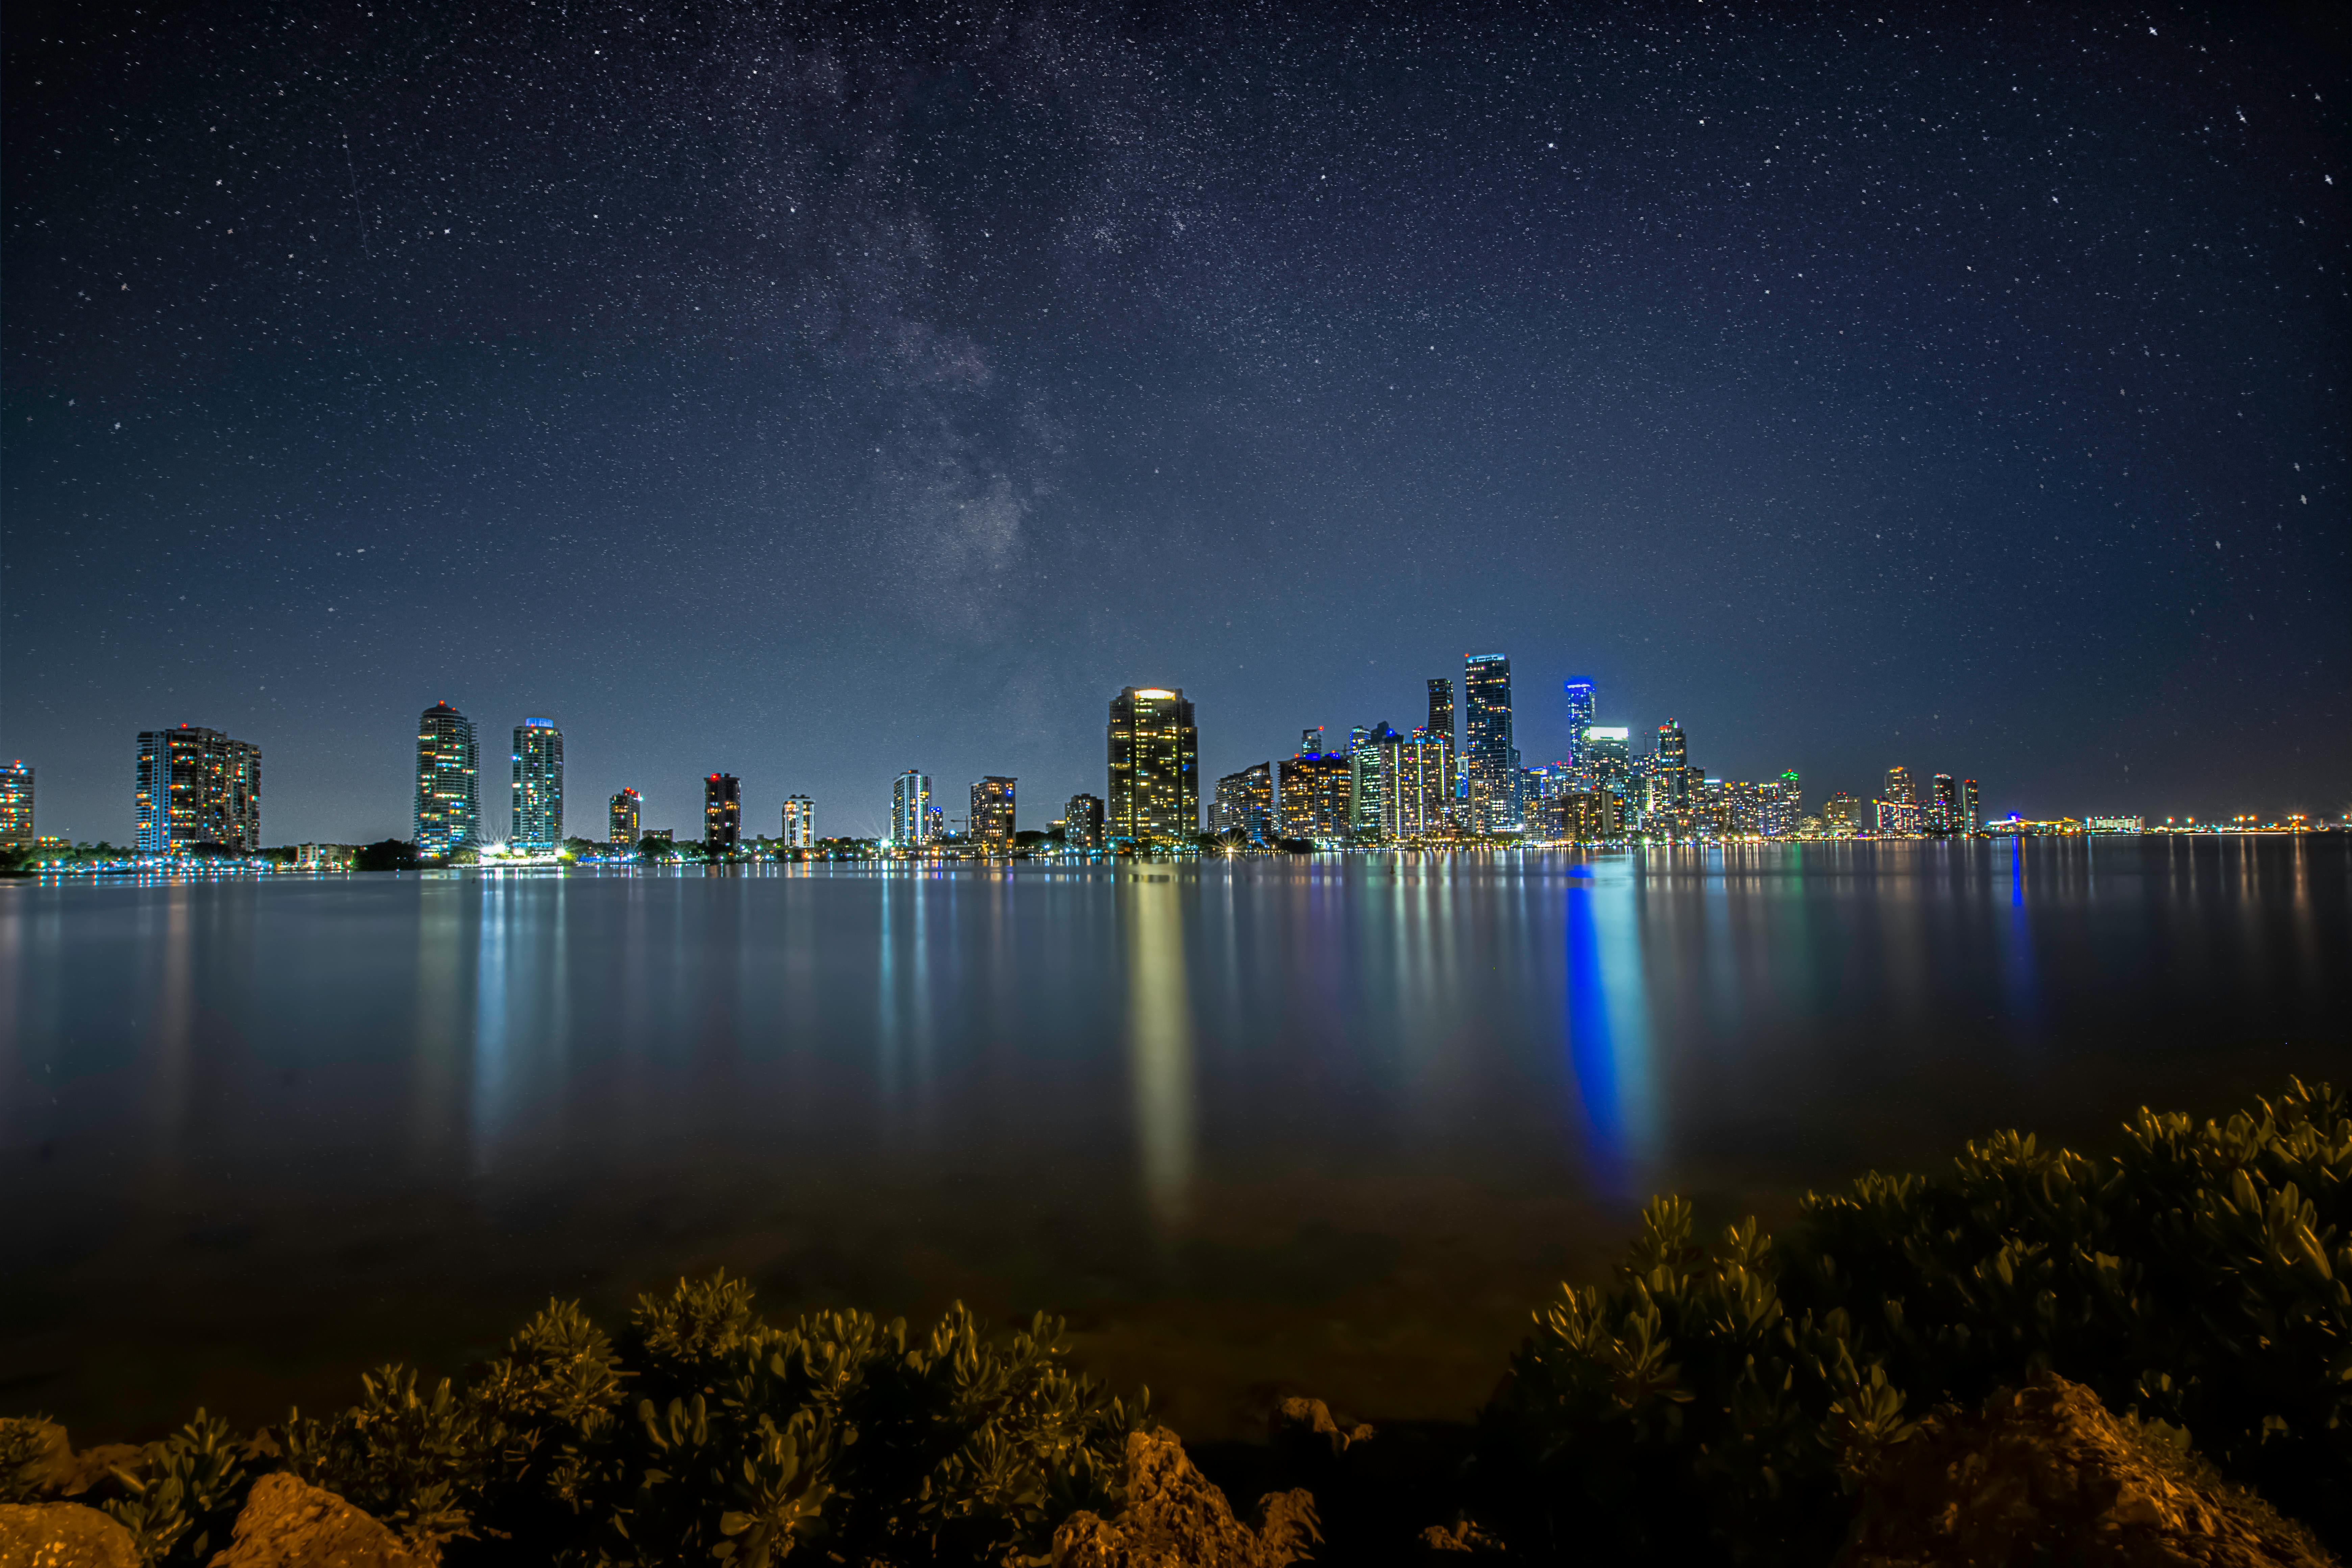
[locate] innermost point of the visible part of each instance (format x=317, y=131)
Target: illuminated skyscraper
x=1244, y=804
x=1370, y=762
x=538, y=784
x=1155, y=785
x=16, y=806
x=1841, y=816
x=1943, y=805
x=1609, y=760
x=1972, y=817
x=448, y=799
x=198, y=787
x=621, y=820
x=911, y=817
x=1580, y=696
x=1417, y=788
x=1486, y=746
x=722, y=814
x=1082, y=822
x=1899, y=791
x=1441, y=731
x=1672, y=773
x=1313, y=804
x=1311, y=743
x=991, y=814
x=800, y=822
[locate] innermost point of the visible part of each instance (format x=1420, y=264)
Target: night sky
x=813, y=394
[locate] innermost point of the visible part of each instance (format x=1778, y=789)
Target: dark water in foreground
x=1334, y=1123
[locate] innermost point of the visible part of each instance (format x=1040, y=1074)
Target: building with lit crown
x=991, y=823
x=800, y=823
x=196, y=786
x=1313, y=803
x=538, y=785
x=622, y=819
x=448, y=799
x=16, y=806
x=1582, y=697
x=1154, y=755
x=1490, y=757
x=722, y=814
x=912, y=820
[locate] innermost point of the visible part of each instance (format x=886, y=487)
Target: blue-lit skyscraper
x=538, y=784
x=1486, y=750
x=1581, y=697
x=448, y=794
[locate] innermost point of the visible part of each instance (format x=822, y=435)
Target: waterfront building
x=1440, y=730
x=1841, y=816
x=991, y=814
x=1582, y=697
x=661, y=835
x=1584, y=816
x=1899, y=790
x=1897, y=818
x=194, y=786
x=620, y=819
x=913, y=823
x=1972, y=810
x=538, y=785
x=1244, y=804
x=1155, y=785
x=1313, y=801
x=1417, y=788
x=800, y=823
x=1370, y=764
x=722, y=814
x=1492, y=763
x=448, y=800
x=1791, y=805
x=16, y=806
x=1608, y=763
x=1082, y=822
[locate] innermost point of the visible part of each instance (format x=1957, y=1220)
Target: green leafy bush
x=1723, y=1400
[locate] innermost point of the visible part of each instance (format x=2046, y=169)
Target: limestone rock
x=1175, y=1519
x=288, y=1523
x=1304, y=1420
x=62, y=1535
x=2045, y=1475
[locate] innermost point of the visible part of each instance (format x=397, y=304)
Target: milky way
x=815, y=394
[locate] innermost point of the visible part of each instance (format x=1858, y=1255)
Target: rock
x=2045, y=1475
x=1175, y=1519
x=288, y=1523
x=1464, y=1535
x=62, y=1535
x=1305, y=1420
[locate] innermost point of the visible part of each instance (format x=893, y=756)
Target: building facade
x=1581, y=696
x=722, y=814
x=1971, y=819
x=1155, y=785
x=16, y=806
x=993, y=814
x=538, y=785
x=448, y=790
x=1313, y=803
x=1489, y=755
x=910, y=810
x=1082, y=822
x=1244, y=804
x=1417, y=789
x=621, y=821
x=196, y=786
x=800, y=823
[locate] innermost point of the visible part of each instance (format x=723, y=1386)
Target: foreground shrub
x=1721, y=1401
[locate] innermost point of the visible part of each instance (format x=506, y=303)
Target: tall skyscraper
x=1608, y=759
x=1082, y=822
x=1441, y=731
x=1313, y=804
x=1972, y=810
x=1580, y=697
x=1943, y=805
x=16, y=806
x=1155, y=785
x=722, y=814
x=1841, y=816
x=448, y=798
x=538, y=784
x=1370, y=765
x=1487, y=745
x=991, y=814
x=800, y=822
x=1244, y=804
x=196, y=786
x=621, y=821
x=911, y=825
x=1899, y=790
x=1417, y=789
x=1673, y=770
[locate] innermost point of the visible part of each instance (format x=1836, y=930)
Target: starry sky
x=813, y=393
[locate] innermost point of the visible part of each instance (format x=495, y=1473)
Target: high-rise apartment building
x=722, y=814
x=16, y=806
x=1580, y=696
x=1082, y=822
x=1488, y=752
x=1313, y=804
x=1972, y=811
x=991, y=814
x=538, y=784
x=1417, y=788
x=1244, y=804
x=1670, y=780
x=1841, y=816
x=1370, y=761
x=1943, y=805
x=1609, y=764
x=448, y=797
x=1899, y=790
x=1155, y=785
x=1440, y=729
x=911, y=817
x=1311, y=743
x=621, y=820
x=800, y=823
x=198, y=787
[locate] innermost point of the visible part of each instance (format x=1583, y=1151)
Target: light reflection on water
x=1074, y=1085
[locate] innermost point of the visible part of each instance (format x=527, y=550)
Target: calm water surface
x=1326, y=1123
